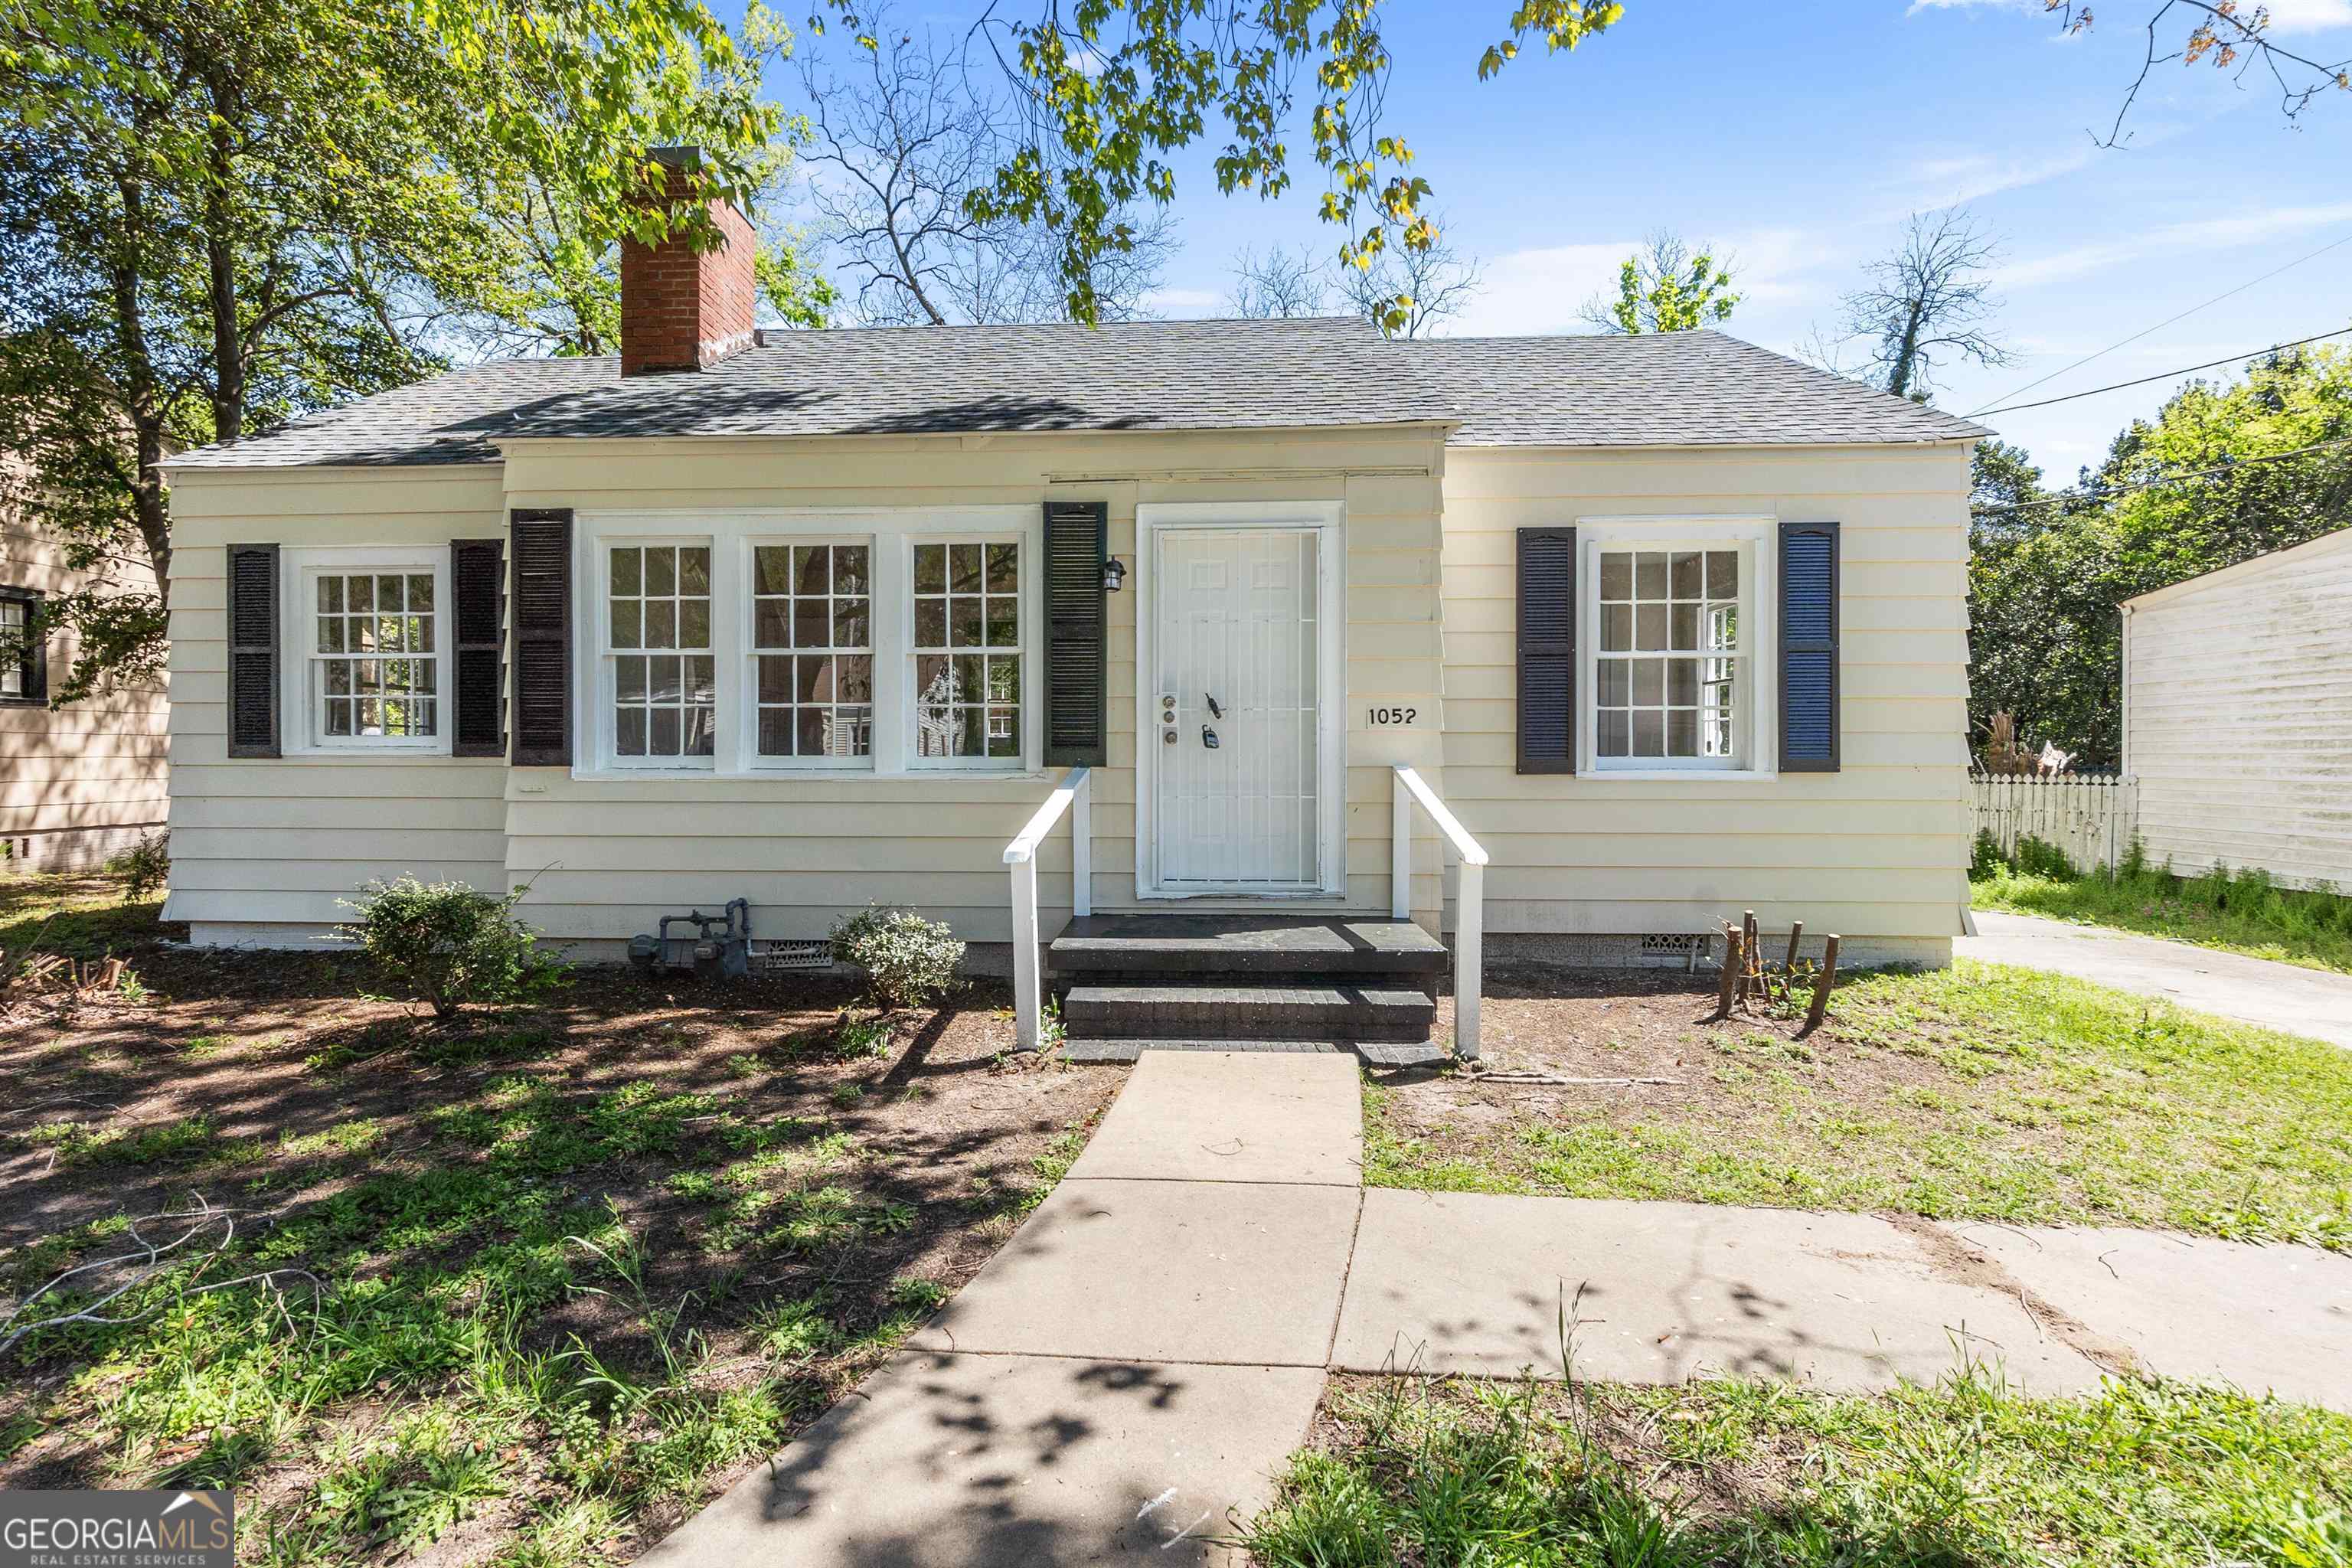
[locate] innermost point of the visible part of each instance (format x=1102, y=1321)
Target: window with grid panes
x=813, y=648
x=374, y=658
x=663, y=674
x=1671, y=667
x=967, y=652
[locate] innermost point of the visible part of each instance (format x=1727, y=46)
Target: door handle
x=1208, y=737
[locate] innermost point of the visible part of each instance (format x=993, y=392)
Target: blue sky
x=1799, y=134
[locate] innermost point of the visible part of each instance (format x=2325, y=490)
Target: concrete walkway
x=1125, y=1378
x=2317, y=1002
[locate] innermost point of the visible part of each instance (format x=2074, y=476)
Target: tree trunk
x=142, y=405
x=220, y=264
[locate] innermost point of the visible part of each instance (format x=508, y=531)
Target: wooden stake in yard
x=1789, y=964
x=1750, y=944
x=1731, y=968
x=1821, y=985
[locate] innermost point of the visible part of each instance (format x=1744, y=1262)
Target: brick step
x=1371, y=1053
x=1325, y=1013
x=1138, y=948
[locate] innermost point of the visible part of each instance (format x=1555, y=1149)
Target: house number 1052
x=1380, y=716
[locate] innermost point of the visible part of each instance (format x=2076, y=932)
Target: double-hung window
x=966, y=651
x=887, y=642
x=812, y=652
x=661, y=676
x=1671, y=654
x=22, y=666
x=373, y=627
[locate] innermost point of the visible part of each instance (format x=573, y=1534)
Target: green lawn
x=2240, y=914
x=516, y=1291
x=1974, y=1092
x=1730, y=1475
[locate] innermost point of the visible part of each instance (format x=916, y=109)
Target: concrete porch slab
x=1457, y=1282
x=2271, y=1320
x=1231, y=1272
x=1200, y=1116
x=1013, y=1462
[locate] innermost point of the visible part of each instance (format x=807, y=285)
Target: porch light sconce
x=1114, y=574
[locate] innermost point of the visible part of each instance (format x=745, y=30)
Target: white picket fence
x=2091, y=820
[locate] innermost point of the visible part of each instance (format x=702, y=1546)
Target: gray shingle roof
x=1133, y=375
x=1669, y=389
x=1687, y=388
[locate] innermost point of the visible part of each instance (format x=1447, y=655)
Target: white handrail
x=1470, y=903
x=1074, y=795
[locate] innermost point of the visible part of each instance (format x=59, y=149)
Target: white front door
x=1235, y=710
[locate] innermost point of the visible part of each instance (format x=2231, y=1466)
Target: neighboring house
x=81, y=783
x=1676, y=625
x=2237, y=716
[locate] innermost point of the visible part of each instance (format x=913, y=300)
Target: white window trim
x=1760, y=600
x=298, y=575
x=894, y=532
x=603, y=677
x=800, y=766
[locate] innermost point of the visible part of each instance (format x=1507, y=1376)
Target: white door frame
x=1325, y=517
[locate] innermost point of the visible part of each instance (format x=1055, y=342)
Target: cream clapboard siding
x=2238, y=717
x=604, y=858
x=80, y=782
x=1876, y=851
x=281, y=843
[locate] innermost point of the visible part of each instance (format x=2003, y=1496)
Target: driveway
x=2316, y=1002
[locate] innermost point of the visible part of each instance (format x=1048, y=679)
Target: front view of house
x=1673, y=627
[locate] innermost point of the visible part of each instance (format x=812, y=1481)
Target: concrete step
x=1341, y=1013
x=1371, y=1053
x=1207, y=947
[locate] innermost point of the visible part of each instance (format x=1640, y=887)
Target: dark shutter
x=542, y=638
x=253, y=650
x=1547, y=650
x=1809, y=647
x=32, y=657
x=477, y=586
x=1078, y=539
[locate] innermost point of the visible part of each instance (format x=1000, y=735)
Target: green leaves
x=1107, y=117
x=1664, y=288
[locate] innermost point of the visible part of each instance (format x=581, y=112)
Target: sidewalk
x=2315, y=1002
x=1126, y=1377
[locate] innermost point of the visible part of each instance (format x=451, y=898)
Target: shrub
x=907, y=958
x=449, y=944
x=144, y=867
x=2040, y=857
x=1986, y=861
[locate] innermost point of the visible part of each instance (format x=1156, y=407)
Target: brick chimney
x=683, y=309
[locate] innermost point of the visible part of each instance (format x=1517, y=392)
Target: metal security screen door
x=1235, y=713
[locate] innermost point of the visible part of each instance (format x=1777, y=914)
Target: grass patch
x=515, y=1291
x=1976, y=1091
x=2243, y=912
x=81, y=917
x=1727, y=1475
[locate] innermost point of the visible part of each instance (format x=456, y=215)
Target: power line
x=2229, y=467
x=2167, y=375
x=2166, y=322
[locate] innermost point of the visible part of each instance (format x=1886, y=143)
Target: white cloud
x=1541, y=288
x=1187, y=302
x=1951, y=179
x=2309, y=15
x=2286, y=16
x=2199, y=235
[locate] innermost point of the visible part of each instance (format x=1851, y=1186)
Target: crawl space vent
x=1657, y=945
x=776, y=957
